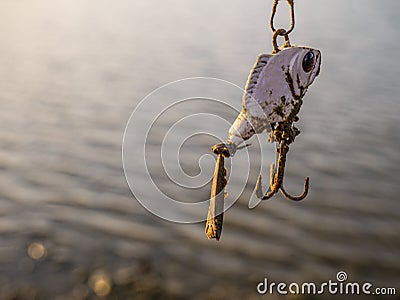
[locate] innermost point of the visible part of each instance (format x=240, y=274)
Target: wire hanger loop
x=281, y=31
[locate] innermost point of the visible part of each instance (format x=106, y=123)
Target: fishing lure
x=271, y=101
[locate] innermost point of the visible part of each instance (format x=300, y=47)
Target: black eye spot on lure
x=308, y=62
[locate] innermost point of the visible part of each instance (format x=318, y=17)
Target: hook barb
x=300, y=197
x=272, y=189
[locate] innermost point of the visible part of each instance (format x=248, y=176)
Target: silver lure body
x=275, y=86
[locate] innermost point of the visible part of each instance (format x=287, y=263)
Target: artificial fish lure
x=271, y=101
x=274, y=91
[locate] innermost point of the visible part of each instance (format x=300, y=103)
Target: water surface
x=70, y=75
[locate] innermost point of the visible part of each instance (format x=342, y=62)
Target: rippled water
x=71, y=74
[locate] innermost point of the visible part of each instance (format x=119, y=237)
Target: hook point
x=300, y=197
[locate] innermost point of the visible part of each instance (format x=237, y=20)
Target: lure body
x=274, y=91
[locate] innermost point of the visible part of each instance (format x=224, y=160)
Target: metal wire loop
x=280, y=32
x=292, y=22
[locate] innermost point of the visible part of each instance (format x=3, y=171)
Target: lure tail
x=216, y=210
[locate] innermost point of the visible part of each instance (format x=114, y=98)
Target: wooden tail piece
x=216, y=210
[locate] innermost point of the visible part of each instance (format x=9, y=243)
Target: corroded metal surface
x=215, y=215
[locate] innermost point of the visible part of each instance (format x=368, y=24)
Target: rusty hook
x=276, y=177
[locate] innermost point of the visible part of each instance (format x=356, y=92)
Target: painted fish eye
x=308, y=62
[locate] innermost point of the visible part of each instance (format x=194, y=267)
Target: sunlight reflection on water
x=70, y=75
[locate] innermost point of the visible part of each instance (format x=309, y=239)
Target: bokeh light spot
x=100, y=283
x=37, y=251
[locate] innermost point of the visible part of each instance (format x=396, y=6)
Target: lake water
x=71, y=74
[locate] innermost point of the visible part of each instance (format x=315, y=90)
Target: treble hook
x=276, y=177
